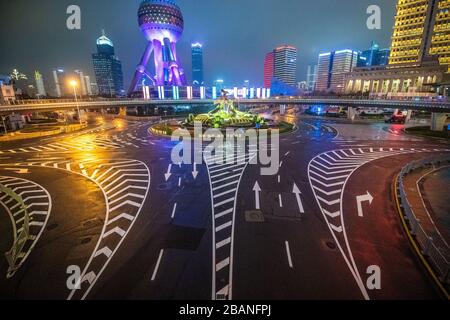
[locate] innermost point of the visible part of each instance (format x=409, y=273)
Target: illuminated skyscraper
x=311, y=78
x=197, y=64
x=107, y=68
x=421, y=33
x=269, y=65
x=39, y=84
x=285, y=65
x=87, y=81
x=59, y=78
x=82, y=81
x=332, y=68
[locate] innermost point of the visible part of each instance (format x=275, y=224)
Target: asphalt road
x=138, y=226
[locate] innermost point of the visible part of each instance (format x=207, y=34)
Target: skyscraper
x=197, y=64
x=421, y=33
x=39, y=84
x=83, y=89
x=87, y=82
x=373, y=56
x=311, y=78
x=269, y=65
x=332, y=68
x=107, y=68
x=285, y=64
x=59, y=78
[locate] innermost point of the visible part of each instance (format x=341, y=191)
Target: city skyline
x=75, y=46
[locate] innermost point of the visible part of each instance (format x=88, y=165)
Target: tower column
x=140, y=69
x=159, y=62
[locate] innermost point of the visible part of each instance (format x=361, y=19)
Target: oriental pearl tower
x=162, y=23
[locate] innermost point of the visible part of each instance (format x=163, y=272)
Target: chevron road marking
x=224, y=178
x=328, y=174
x=38, y=218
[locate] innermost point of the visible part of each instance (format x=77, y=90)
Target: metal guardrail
x=19, y=242
x=426, y=243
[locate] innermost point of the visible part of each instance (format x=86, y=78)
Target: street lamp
x=74, y=85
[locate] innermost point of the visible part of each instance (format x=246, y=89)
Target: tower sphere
x=159, y=19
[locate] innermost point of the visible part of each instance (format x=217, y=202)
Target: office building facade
x=419, y=56
x=269, y=65
x=285, y=65
x=107, y=69
x=40, y=87
x=197, y=65
x=332, y=69
x=311, y=78
x=373, y=56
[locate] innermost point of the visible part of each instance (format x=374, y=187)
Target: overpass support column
x=282, y=109
x=438, y=121
x=351, y=113
x=123, y=111
x=408, y=116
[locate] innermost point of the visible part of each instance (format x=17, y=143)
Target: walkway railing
x=19, y=240
x=437, y=258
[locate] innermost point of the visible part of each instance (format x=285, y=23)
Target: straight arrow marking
x=257, y=190
x=297, y=193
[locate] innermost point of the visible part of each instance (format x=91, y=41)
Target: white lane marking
x=280, y=200
x=179, y=182
x=174, y=210
x=224, y=263
x=155, y=271
x=224, y=226
x=223, y=243
x=223, y=213
x=288, y=252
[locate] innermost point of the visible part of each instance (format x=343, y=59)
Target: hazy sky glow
x=236, y=33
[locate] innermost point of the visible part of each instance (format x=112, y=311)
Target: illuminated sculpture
x=162, y=23
x=226, y=115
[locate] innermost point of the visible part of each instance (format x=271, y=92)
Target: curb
x=414, y=244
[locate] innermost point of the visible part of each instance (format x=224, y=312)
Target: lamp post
x=74, y=84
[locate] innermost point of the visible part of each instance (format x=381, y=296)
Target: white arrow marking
x=257, y=190
x=195, y=172
x=332, y=214
x=117, y=230
x=337, y=229
x=90, y=277
x=297, y=193
x=121, y=216
x=106, y=251
x=168, y=174
x=360, y=200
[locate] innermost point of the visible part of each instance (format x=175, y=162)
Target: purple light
x=162, y=23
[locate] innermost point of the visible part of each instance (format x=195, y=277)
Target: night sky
x=236, y=33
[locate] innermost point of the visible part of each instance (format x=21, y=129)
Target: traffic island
x=223, y=117
x=41, y=131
